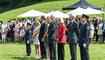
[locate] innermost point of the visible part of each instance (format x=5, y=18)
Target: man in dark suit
x=103, y=28
x=84, y=38
x=73, y=35
x=0, y=29
x=96, y=22
x=52, y=33
x=42, y=42
x=12, y=26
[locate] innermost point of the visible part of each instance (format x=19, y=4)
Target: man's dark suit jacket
x=73, y=32
x=42, y=30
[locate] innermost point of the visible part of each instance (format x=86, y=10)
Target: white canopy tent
x=31, y=13
x=93, y=11
x=80, y=11
x=57, y=14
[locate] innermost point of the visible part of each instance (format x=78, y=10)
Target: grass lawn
x=46, y=6
x=17, y=51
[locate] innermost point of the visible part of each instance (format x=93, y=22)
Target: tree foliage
x=14, y=2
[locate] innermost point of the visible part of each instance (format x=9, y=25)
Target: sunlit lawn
x=17, y=51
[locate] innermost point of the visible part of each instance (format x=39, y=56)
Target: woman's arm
x=34, y=35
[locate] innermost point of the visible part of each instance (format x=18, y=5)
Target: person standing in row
x=0, y=30
x=22, y=34
x=42, y=42
x=12, y=26
x=103, y=29
x=100, y=32
x=61, y=38
x=28, y=35
x=48, y=21
x=84, y=38
x=52, y=34
x=8, y=31
x=96, y=23
x=91, y=31
x=3, y=32
x=45, y=37
x=35, y=38
x=73, y=35
x=16, y=31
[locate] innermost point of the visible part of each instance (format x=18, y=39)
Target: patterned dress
x=100, y=29
x=36, y=39
x=16, y=31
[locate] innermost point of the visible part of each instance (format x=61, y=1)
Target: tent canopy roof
x=80, y=11
x=82, y=4
x=31, y=13
x=57, y=14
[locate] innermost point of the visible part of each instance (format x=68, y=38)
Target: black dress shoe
x=28, y=54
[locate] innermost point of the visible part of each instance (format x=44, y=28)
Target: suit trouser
x=52, y=48
x=43, y=50
x=103, y=37
x=73, y=51
x=96, y=36
x=28, y=48
x=12, y=35
x=61, y=51
x=0, y=36
x=84, y=53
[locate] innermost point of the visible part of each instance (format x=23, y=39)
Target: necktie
x=70, y=24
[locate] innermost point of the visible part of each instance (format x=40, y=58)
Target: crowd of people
x=47, y=32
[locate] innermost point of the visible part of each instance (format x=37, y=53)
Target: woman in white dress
x=3, y=32
x=91, y=31
x=36, y=39
x=100, y=33
x=22, y=33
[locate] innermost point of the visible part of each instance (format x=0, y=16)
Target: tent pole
x=103, y=16
x=103, y=13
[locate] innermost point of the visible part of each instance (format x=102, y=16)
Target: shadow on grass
x=20, y=43
x=25, y=58
x=17, y=57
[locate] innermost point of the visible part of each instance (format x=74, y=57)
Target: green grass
x=17, y=51
x=46, y=6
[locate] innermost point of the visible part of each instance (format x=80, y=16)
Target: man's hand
x=46, y=35
x=57, y=39
x=83, y=38
x=32, y=38
x=42, y=40
x=97, y=28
